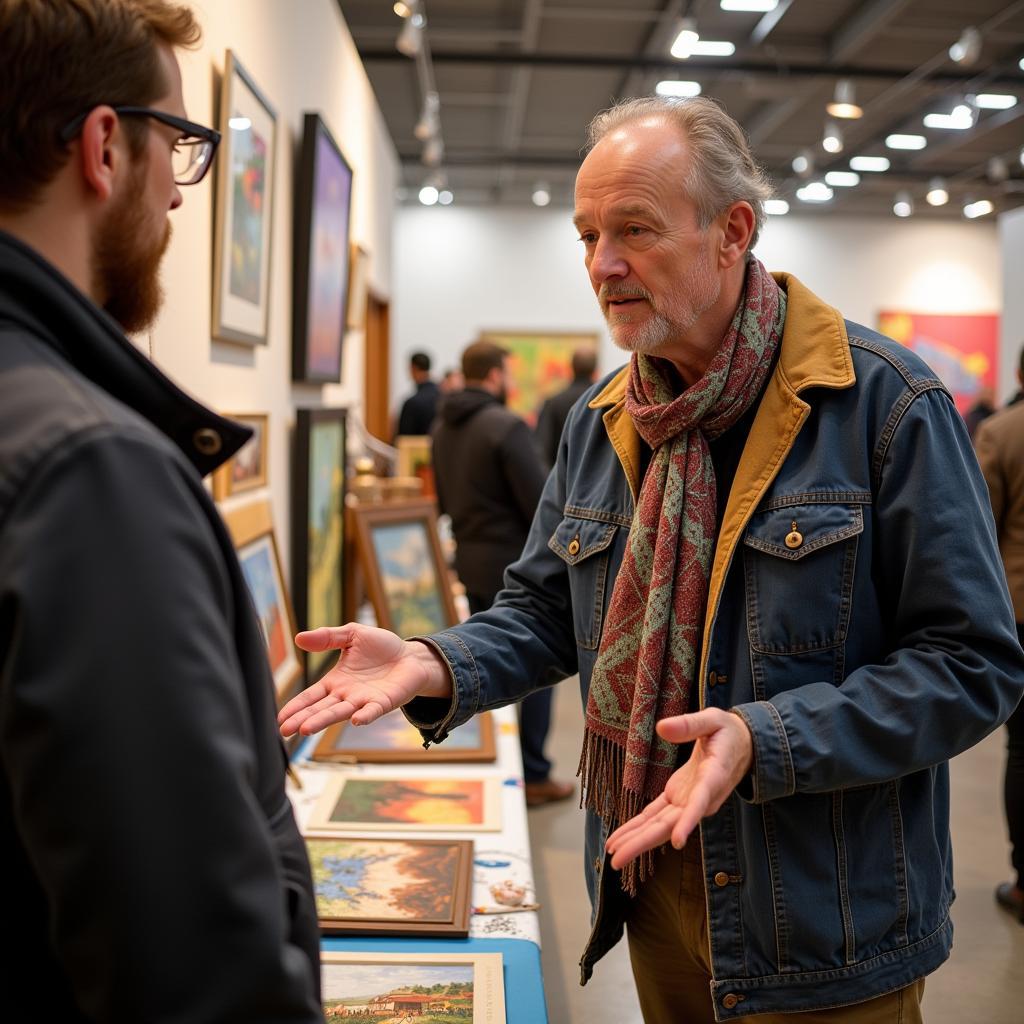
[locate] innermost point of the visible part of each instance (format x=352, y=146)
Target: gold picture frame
x=246, y=470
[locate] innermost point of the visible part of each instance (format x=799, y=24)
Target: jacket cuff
x=434, y=716
x=772, y=776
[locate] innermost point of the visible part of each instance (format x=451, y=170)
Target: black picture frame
x=323, y=209
x=318, y=525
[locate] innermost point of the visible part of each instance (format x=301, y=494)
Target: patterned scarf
x=649, y=650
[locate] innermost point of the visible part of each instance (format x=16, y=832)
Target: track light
x=903, y=205
x=429, y=122
x=832, y=139
x=541, y=194
x=685, y=39
x=433, y=152
x=843, y=101
x=977, y=209
x=803, y=163
x=937, y=194
x=967, y=49
x=410, y=39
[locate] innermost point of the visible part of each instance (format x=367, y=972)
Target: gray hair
x=722, y=169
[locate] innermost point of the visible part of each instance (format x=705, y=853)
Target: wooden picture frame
x=399, y=887
x=321, y=269
x=252, y=530
x=392, y=739
x=244, y=209
x=246, y=470
x=416, y=460
x=348, y=978
x=396, y=801
x=318, y=526
x=405, y=573
x=358, y=287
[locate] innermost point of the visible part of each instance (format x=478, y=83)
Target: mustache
x=619, y=290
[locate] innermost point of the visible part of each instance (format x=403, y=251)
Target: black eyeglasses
x=193, y=152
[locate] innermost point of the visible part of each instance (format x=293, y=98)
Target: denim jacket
x=862, y=656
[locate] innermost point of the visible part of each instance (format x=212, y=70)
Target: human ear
x=737, y=231
x=100, y=151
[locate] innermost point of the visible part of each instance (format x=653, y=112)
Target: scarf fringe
x=601, y=767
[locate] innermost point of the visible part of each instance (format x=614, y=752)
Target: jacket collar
x=36, y=297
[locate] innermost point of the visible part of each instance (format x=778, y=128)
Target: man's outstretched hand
x=722, y=756
x=376, y=672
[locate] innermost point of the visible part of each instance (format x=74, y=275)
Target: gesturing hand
x=722, y=755
x=376, y=672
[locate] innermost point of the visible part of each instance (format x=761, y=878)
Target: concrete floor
x=982, y=983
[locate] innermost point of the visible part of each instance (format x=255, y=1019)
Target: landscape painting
x=400, y=803
x=414, y=988
x=392, y=886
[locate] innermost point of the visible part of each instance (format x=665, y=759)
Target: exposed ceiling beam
x=772, y=117
x=859, y=29
x=764, y=28
x=519, y=88
x=659, y=41
x=963, y=138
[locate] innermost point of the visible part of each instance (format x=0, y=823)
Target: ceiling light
x=760, y=6
x=815, y=192
x=445, y=197
x=673, y=88
x=906, y=141
x=967, y=48
x=410, y=39
x=803, y=163
x=994, y=101
x=869, y=163
x=996, y=170
x=843, y=101
x=433, y=152
x=844, y=179
x=429, y=195
x=832, y=139
x=937, y=194
x=903, y=206
x=978, y=209
x=961, y=118
x=1020, y=63
x=1021, y=157
x=685, y=39
x=776, y=207
x=403, y=10
x=541, y=194
x=712, y=48
x=428, y=123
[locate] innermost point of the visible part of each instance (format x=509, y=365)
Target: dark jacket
x=489, y=480
x=862, y=659
x=552, y=418
x=153, y=869
x=419, y=410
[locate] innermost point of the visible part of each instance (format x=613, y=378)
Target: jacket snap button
x=574, y=545
x=207, y=441
x=794, y=538
x=721, y=879
x=713, y=679
x=730, y=1001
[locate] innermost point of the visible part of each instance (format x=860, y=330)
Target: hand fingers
x=637, y=821
x=299, y=702
x=684, y=728
x=321, y=716
x=688, y=818
x=325, y=638
x=369, y=712
x=651, y=834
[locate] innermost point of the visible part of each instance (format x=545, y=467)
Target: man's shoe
x=548, y=791
x=1010, y=898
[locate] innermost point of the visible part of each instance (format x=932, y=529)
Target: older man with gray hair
x=765, y=548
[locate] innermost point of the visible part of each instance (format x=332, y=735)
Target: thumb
x=684, y=728
x=325, y=638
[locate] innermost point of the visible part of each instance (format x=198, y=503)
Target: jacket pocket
x=799, y=563
x=583, y=544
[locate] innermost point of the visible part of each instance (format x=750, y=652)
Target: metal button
x=721, y=879
x=713, y=679
x=730, y=1001
x=207, y=441
x=574, y=545
x=794, y=538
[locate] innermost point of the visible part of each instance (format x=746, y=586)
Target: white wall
x=302, y=57
x=458, y=271
x=1011, y=334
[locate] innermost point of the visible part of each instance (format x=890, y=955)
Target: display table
x=497, y=856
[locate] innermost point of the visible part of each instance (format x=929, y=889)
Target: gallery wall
x=302, y=58
x=458, y=271
x=1011, y=244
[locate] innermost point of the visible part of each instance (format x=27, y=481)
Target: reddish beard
x=126, y=258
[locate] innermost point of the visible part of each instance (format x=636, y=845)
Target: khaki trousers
x=668, y=948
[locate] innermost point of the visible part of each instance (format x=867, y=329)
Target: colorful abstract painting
x=409, y=577
x=963, y=350
x=261, y=576
x=539, y=364
x=248, y=150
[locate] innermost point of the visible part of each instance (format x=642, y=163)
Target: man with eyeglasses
x=154, y=869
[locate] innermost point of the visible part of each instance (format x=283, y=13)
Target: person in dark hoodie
x=489, y=479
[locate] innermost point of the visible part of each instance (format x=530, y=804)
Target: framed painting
x=252, y=531
x=404, y=569
x=323, y=200
x=247, y=469
x=358, y=287
x=407, y=803
x=244, y=214
x=415, y=459
x=540, y=365
x=392, y=886
x=318, y=525
x=428, y=988
x=392, y=739
x=962, y=349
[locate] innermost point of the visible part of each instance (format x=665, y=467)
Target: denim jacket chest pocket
x=585, y=546
x=799, y=563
